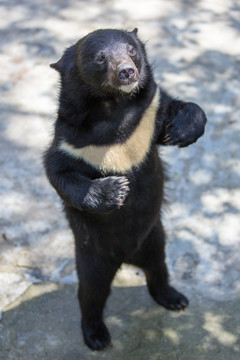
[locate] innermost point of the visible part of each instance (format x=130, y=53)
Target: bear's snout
x=125, y=71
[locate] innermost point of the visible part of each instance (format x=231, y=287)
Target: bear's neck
x=76, y=96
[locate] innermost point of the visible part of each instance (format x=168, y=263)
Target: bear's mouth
x=129, y=86
x=124, y=86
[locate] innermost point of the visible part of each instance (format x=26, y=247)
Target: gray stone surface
x=44, y=324
x=195, y=51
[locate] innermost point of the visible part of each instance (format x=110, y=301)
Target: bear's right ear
x=57, y=66
x=66, y=62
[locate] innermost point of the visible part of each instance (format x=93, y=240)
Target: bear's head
x=107, y=61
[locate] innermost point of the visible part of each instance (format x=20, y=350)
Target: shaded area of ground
x=44, y=324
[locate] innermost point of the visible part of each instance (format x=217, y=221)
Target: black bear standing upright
x=104, y=164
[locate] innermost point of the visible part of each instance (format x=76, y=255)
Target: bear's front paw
x=115, y=190
x=106, y=194
x=187, y=126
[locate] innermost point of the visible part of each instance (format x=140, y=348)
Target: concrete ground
x=44, y=324
x=195, y=51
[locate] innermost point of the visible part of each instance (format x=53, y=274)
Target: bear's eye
x=100, y=59
x=132, y=51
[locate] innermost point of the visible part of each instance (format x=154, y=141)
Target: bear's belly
x=122, y=231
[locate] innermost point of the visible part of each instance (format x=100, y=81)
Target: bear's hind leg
x=151, y=258
x=95, y=277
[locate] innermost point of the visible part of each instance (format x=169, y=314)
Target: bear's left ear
x=134, y=31
x=66, y=62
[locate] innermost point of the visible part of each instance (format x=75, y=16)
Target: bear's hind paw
x=171, y=299
x=96, y=337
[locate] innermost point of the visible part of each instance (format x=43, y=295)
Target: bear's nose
x=125, y=71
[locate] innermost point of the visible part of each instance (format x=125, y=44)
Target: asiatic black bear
x=104, y=164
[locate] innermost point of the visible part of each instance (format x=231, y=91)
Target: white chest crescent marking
x=120, y=158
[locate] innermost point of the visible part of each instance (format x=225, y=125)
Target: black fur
x=115, y=218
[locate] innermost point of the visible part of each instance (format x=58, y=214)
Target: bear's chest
x=120, y=157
